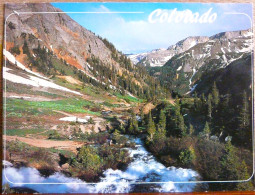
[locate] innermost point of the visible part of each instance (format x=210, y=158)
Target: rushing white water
x=139, y=174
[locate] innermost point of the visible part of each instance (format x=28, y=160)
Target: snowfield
x=178, y=69
x=75, y=119
x=33, y=81
x=13, y=60
x=19, y=97
x=135, y=58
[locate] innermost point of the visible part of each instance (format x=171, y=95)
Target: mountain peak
x=159, y=57
x=232, y=34
x=188, y=42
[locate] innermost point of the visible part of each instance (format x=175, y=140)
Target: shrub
x=187, y=157
x=15, y=50
x=89, y=158
x=99, y=138
x=157, y=145
x=209, y=154
x=56, y=135
x=91, y=121
x=114, y=158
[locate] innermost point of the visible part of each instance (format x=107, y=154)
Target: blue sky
x=133, y=33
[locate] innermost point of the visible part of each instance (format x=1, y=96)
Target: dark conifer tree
x=244, y=112
x=151, y=129
x=162, y=122
x=209, y=106
x=215, y=95
x=206, y=130
x=191, y=130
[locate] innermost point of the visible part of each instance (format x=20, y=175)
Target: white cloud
x=132, y=36
x=136, y=35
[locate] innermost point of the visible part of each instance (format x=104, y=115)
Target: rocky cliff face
x=57, y=32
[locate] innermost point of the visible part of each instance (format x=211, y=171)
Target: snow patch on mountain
x=135, y=58
x=33, y=81
x=13, y=60
x=178, y=69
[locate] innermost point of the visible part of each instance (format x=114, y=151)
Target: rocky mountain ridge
x=159, y=57
x=185, y=69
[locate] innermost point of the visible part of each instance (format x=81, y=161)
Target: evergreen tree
x=221, y=121
x=207, y=130
x=243, y=175
x=151, y=129
x=162, y=122
x=215, y=95
x=191, y=130
x=132, y=126
x=181, y=126
x=244, y=112
x=116, y=135
x=177, y=107
x=233, y=168
x=196, y=102
x=158, y=142
x=89, y=158
x=229, y=163
x=187, y=157
x=142, y=118
x=25, y=48
x=203, y=100
x=244, y=132
x=209, y=106
x=135, y=123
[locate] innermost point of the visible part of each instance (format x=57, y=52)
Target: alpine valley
x=79, y=111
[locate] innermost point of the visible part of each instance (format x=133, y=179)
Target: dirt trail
x=64, y=113
x=35, y=134
x=66, y=145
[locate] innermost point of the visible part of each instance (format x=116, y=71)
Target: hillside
x=55, y=45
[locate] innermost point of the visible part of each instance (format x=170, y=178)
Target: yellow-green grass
x=19, y=107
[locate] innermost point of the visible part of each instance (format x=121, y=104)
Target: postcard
x=127, y=97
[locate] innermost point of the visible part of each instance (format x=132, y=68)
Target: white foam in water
x=143, y=168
